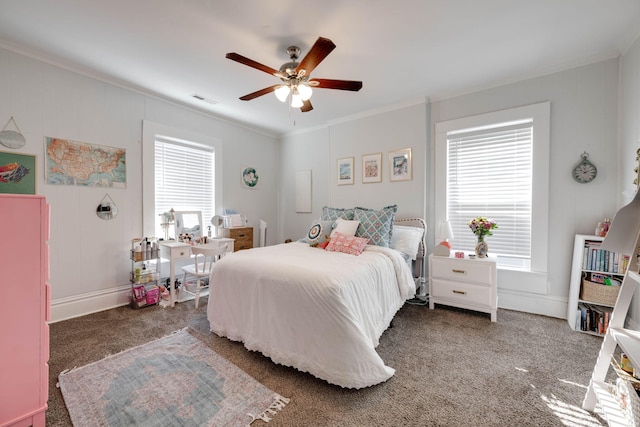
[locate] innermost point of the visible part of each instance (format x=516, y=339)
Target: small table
x=470, y=283
x=173, y=251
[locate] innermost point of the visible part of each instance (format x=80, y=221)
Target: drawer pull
x=459, y=271
x=459, y=292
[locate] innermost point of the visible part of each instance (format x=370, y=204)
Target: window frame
x=540, y=114
x=151, y=131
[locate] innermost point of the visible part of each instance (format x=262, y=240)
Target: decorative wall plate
x=249, y=177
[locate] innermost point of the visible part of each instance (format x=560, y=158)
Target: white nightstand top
x=488, y=258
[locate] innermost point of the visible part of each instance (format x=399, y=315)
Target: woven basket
x=599, y=293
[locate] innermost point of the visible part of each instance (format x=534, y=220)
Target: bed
x=319, y=311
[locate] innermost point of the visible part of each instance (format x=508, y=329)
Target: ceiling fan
x=296, y=76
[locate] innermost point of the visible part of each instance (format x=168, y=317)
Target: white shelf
x=576, y=281
x=629, y=341
x=610, y=405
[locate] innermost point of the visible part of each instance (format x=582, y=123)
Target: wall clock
x=584, y=171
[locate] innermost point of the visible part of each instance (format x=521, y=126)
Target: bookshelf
x=619, y=403
x=591, y=302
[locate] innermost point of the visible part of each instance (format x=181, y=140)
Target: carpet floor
x=453, y=368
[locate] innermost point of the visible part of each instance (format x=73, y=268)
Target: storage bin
x=599, y=293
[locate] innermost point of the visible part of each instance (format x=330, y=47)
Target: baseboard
x=545, y=305
x=83, y=304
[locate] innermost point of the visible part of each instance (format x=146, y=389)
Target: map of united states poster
x=79, y=163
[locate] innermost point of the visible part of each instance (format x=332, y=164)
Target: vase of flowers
x=481, y=226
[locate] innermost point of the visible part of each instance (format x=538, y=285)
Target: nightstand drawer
x=466, y=293
x=243, y=237
x=469, y=271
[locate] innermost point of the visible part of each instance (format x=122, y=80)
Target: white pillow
x=345, y=226
x=406, y=239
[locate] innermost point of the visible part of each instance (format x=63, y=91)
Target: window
x=489, y=173
x=496, y=165
x=184, y=172
x=180, y=170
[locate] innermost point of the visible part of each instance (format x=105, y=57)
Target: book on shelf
x=596, y=259
x=594, y=318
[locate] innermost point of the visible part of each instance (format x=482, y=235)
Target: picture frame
x=371, y=168
x=400, y=165
x=345, y=171
x=17, y=173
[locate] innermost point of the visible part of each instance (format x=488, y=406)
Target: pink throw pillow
x=347, y=244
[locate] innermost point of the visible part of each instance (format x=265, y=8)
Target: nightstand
x=464, y=283
x=243, y=237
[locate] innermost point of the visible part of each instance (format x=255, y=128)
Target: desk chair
x=205, y=257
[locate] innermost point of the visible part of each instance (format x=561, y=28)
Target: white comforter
x=320, y=312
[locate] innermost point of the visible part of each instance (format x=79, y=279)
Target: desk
x=173, y=250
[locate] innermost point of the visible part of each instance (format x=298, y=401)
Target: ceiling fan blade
x=320, y=49
x=306, y=106
x=258, y=93
x=336, y=84
x=251, y=63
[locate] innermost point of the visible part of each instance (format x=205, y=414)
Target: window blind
x=184, y=177
x=489, y=173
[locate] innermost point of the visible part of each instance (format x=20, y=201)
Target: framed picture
x=345, y=171
x=249, y=177
x=17, y=173
x=400, y=164
x=372, y=168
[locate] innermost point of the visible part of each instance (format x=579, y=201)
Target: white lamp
x=282, y=93
x=299, y=92
x=305, y=91
x=217, y=221
x=445, y=233
x=296, y=99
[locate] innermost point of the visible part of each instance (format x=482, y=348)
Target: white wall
x=320, y=149
x=89, y=265
x=584, y=114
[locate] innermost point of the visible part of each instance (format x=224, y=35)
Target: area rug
x=172, y=381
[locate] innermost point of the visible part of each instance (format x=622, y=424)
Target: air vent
x=204, y=99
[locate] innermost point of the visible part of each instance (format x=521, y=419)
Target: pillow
x=329, y=214
x=347, y=244
x=376, y=225
x=406, y=240
x=345, y=227
x=318, y=232
x=324, y=244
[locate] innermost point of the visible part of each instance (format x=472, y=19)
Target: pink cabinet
x=24, y=310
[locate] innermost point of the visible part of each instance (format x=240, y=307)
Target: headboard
x=418, y=264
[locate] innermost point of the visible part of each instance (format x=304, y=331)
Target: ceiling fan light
x=282, y=93
x=296, y=100
x=305, y=91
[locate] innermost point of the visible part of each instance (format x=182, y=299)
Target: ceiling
x=402, y=50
